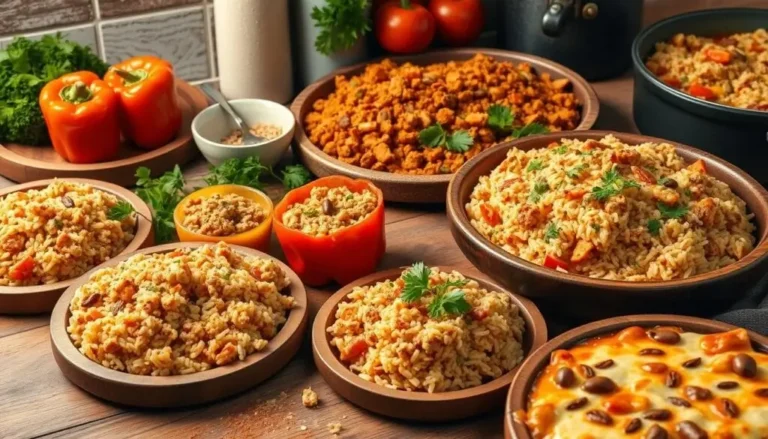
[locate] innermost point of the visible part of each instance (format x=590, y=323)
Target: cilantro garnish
x=416, y=285
x=120, y=211
x=435, y=136
x=672, y=211
x=575, y=172
x=552, y=232
x=295, y=176
x=534, y=165
x=539, y=189
x=501, y=120
x=654, y=226
x=562, y=149
x=612, y=184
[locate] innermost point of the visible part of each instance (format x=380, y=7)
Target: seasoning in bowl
x=265, y=130
x=656, y=383
x=428, y=330
x=332, y=229
x=222, y=215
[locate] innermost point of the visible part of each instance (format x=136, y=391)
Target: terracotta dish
x=415, y=188
x=419, y=406
x=24, y=163
x=177, y=390
x=517, y=398
x=585, y=297
x=42, y=298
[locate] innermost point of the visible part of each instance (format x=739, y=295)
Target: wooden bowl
x=584, y=298
x=24, y=163
x=416, y=406
x=517, y=398
x=41, y=298
x=419, y=188
x=177, y=390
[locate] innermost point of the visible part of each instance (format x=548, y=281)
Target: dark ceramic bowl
x=737, y=135
x=517, y=398
x=579, y=298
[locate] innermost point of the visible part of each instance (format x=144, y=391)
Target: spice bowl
x=213, y=124
x=257, y=238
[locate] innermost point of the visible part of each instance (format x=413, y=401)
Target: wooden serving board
x=23, y=163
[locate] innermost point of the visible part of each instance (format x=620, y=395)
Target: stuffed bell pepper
x=332, y=229
x=81, y=113
x=149, y=109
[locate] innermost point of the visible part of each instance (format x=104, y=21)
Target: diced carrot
x=490, y=215
x=672, y=82
x=643, y=175
x=698, y=166
x=756, y=47
x=357, y=348
x=718, y=55
x=576, y=194
x=701, y=91
x=582, y=251
x=553, y=262
x=23, y=270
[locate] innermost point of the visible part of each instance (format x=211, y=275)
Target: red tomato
x=554, y=262
x=490, y=215
x=701, y=91
x=404, y=27
x=459, y=22
x=23, y=270
x=378, y=3
x=673, y=82
x=356, y=349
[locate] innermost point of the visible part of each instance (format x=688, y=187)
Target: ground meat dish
x=373, y=120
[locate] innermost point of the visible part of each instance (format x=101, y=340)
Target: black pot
x=737, y=135
x=592, y=37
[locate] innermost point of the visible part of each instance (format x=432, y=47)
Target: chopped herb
x=416, y=282
x=435, y=136
x=529, y=130
x=654, y=226
x=595, y=227
x=534, y=165
x=613, y=184
x=500, y=118
x=416, y=285
x=311, y=213
x=663, y=180
x=552, y=232
x=245, y=172
x=583, y=153
x=575, y=172
x=459, y=141
x=349, y=197
x=162, y=194
x=539, y=189
x=294, y=176
x=58, y=223
x=562, y=149
x=120, y=211
x=687, y=192
x=672, y=211
x=450, y=303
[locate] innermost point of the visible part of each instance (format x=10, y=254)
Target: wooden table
x=37, y=401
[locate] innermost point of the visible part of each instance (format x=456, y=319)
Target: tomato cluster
x=408, y=26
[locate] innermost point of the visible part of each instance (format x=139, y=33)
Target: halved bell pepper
x=81, y=113
x=343, y=256
x=149, y=108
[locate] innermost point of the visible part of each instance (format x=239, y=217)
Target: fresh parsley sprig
x=162, y=194
x=435, y=136
x=671, y=212
x=539, y=189
x=612, y=184
x=501, y=120
x=342, y=23
x=654, y=226
x=448, y=297
x=294, y=176
x=552, y=232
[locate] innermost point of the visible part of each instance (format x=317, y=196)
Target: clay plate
x=41, y=298
x=587, y=298
x=417, y=406
x=177, y=390
x=419, y=188
x=517, y=398
x=24, y=163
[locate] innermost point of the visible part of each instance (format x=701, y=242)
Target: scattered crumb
x=289, y=416
x=334, y=427
x=344, y=417
x=303, y=428
x=309, y=398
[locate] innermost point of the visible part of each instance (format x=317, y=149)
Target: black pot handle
x=555, y=17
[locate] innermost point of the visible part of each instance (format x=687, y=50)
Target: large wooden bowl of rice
x=601, y=232
x=417, y=366
x=179, y=324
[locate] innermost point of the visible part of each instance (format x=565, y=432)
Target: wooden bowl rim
x=61, y=341
x=534, y=322
x=517, y=397
x=181, y=139
x=143, y=226
x=589, y=112
x=458, y=217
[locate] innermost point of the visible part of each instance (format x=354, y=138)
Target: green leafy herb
x=530, y=130
x=295, y=176
x=583, y=153
x=534, y=165
x=500, y=118
x=58, y=223
x=25, y=67
x=162, y=194
x=654, y=226
x=539, y=189
x=416, y=285
x=120, y=211
x=663, y=180
x=435, y=136
x=552, y=232
x=575, y=172
x=245, y=172
x=687, y=192
x=311, y=213
x=595, y=227
x=612, y=184
x=416, y=282
x=342, y=24
x=672, y=211
x=450, y=303
x=562, y=149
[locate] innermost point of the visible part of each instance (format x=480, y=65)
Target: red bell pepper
x=343, y=256
x=701, y=91
x=553, y=262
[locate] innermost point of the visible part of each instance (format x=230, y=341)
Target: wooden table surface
x=37, y=401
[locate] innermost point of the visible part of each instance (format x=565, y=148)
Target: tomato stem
x=405, y=4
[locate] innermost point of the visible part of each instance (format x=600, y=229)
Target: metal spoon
x=248, y=137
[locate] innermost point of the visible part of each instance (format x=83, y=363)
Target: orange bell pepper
x=81, y=113
x=701, y=91
x=343, y=256
x=149, y=108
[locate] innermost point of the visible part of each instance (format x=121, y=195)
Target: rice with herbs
x=58, y=233
x=396, y=344
x=609, y=210
x=180, y=312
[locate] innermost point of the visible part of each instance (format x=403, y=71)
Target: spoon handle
x=222, y=101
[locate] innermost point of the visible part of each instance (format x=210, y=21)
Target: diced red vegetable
x=490, y=215
x=355, y=350
x=23, y=270
x=643, y=175
x=672, y=82
x=698, y=166
x=701, y=91
x=553, y=262
x=718, y=55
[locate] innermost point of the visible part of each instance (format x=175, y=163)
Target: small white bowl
x=213, y=123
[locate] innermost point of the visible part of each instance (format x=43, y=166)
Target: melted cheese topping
x=642, y=385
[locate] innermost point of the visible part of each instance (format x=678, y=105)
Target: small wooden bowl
x=257, y=238
x=419, y=188
x=41, y=298
x=583, y=297
x=517, y=398
x=23, y=163
x=416, y=406
x=177, y=390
